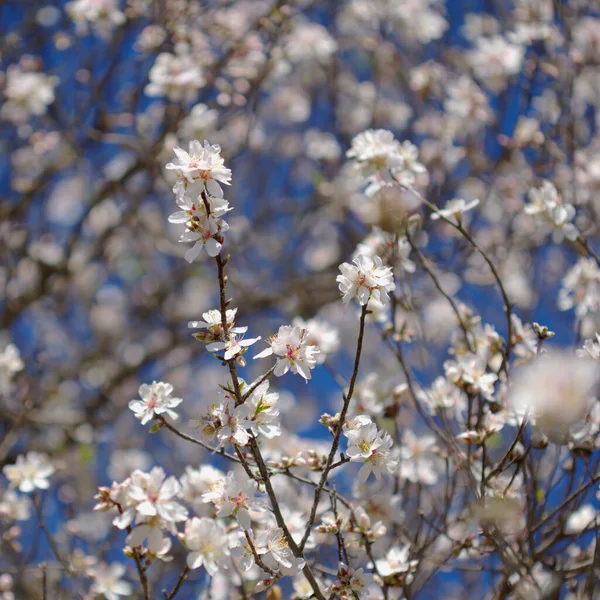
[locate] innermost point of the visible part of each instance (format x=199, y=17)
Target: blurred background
x=94, y=292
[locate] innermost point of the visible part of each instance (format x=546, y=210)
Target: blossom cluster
x=199, y=195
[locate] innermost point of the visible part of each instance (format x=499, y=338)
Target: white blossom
x=156, y=400
x=295, y=354
x=31, y=471
x=235, y=497
x=365, y=279
x=321, y=335
x=108, y=581
x=177, y=76
x=10, y=363
x=206, y=541
x=581, y=288
x=396, y=561
x=27, y=94
x=262, y=411
x=454, y=210
x=353, y=583
x=104, y=15
x=556, y=391
x=367, y=444
x=417, y=461
x=548, y=206
x=582, y=518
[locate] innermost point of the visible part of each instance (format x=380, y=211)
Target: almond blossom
x=213, y=324
x=206, y=541
x=365, y=279
x=10, y=363
x=235, y=497
x=367, y=444
x=108, y=581
x=296, y=354
x=156, y=400
x=31, y=471
x=202, y=164
x=27, y=94
x=350, y=583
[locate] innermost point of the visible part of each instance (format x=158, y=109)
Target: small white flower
x=14, y=507
x=377, y=152
x=454, y=209
x=197, y=482
x=27, y=93
x=202, y=164
x=396, y=561
x=274, y=549
x=321, y=335
x=581, y=288
x=263, y=414
x=30, y=472
x=10, y=363
x=177, y=76
x=155, y=400
x=556, y=392
x=590, y=348
x=352, y=582
x=367, y=444
x=108, y=582
x=153, y=495
x=213, y=324
x=417, y=460
x=203, y=231
x=581, y=519
x=234, y=345
x=296, y=354
x=235, y=497
x=207, y=542
x=549, y=207
x=365, y=279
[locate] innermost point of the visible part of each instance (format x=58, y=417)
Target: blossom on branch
x=156, y=400
x=365, y=279
x=295, y=354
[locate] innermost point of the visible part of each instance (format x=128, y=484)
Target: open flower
x=108, y=582
x=296, y=354
x=207, y=542
x=202, y=164
x=367, y=278
x=155, y=400
x=30, y=472
x=234, y=345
